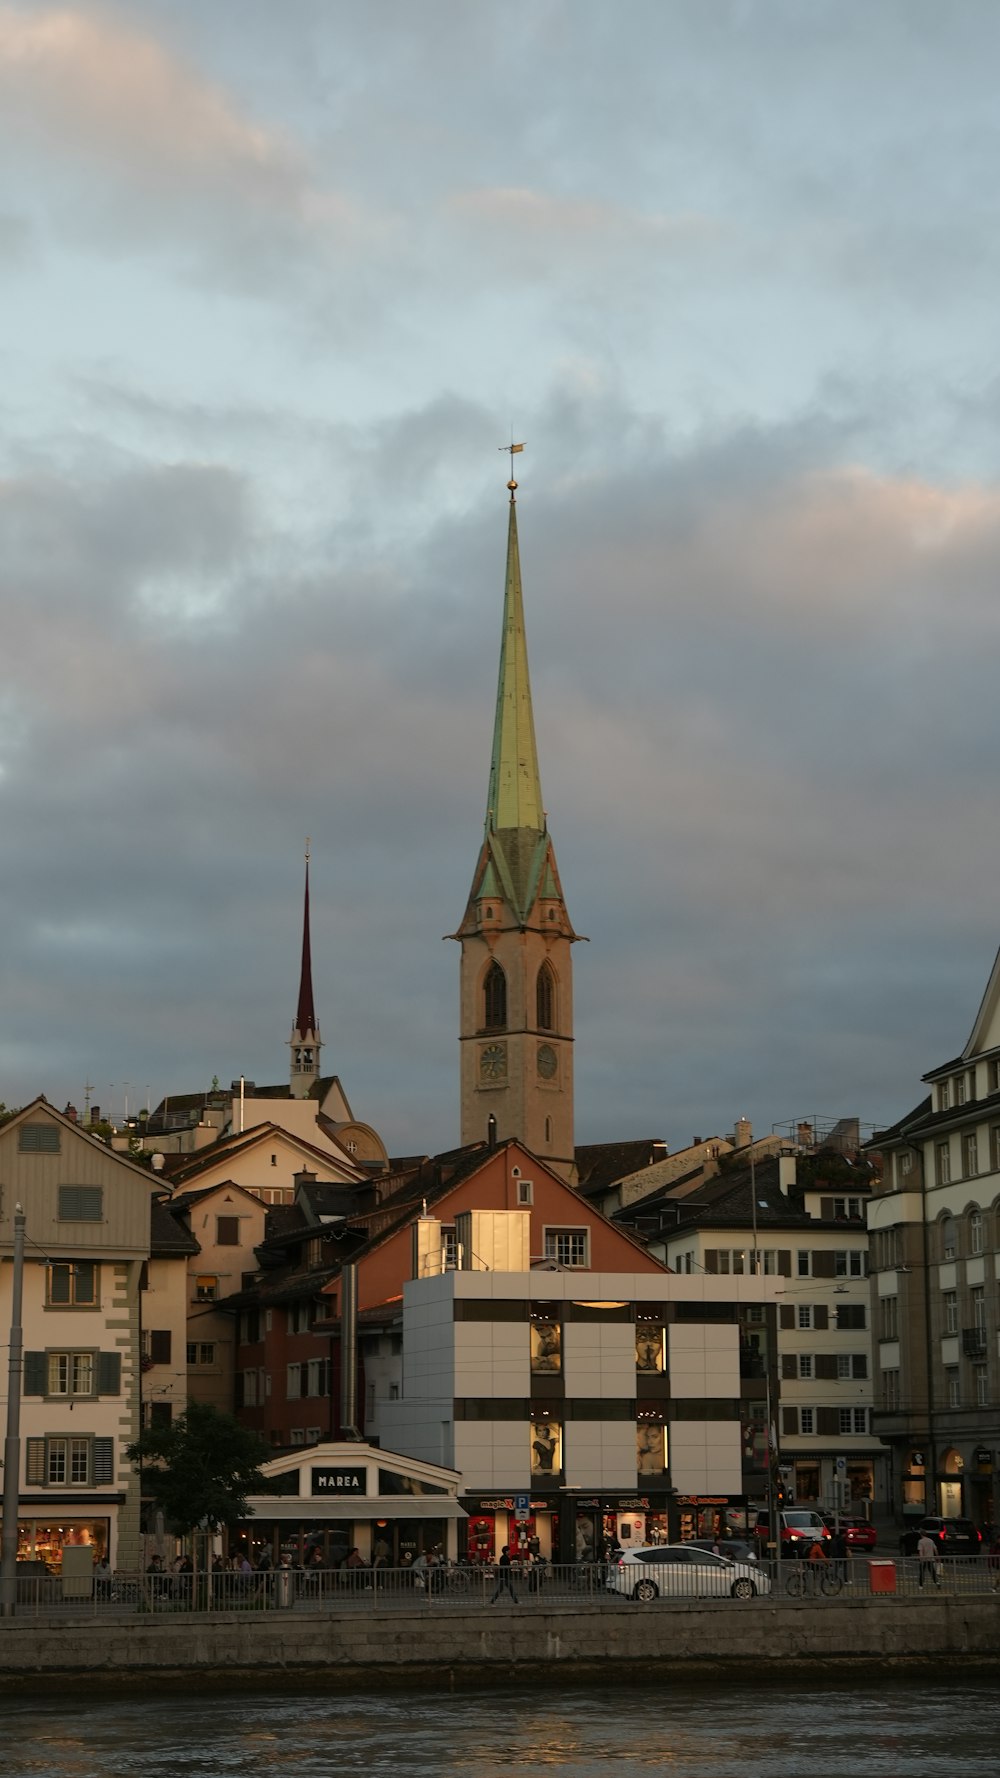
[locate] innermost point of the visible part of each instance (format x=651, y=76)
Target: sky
x=276, y=284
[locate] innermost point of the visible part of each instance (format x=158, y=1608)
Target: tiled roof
x=167, y=1234
x=601, y=1164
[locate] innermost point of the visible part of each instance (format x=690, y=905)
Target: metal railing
x=467, y=1586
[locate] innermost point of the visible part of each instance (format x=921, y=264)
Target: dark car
x=859, y=1534
x=954, y=1537
x=734, y=1547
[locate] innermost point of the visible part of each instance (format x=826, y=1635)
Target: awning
x=393, y=1506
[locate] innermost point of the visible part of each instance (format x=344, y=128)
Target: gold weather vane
x=512, y=448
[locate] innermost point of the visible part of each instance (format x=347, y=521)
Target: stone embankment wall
x=463, y=1646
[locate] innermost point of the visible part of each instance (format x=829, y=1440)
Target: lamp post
x=12, y=1442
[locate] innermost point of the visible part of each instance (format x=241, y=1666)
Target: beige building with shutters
x=88, y=1240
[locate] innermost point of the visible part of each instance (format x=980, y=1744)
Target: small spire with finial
x=512, y=448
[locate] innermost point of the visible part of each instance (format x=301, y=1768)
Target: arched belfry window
x=495, y=992
x=545, y=997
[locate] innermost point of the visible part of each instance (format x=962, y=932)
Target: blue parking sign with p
x=522, y=1506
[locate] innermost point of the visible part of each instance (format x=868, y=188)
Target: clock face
x=546, y=1061
x=493, y=1061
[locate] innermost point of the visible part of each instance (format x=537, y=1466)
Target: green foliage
x=7, y=1112
x=201, y=1468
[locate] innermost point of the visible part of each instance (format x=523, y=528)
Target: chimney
x=349, y=1353
x=804, y=1135
x=303, y=1178
x=744, y=1133
x=786, y=1173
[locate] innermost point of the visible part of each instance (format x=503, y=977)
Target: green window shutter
x=109, y=1373
x=826, y=1366
x=786, y=1315
x=104, y=1461
x=784, y=1262
x=821, y=1317
x=34, y=1462
x=824, y=1264
x=35, y=1373
x=789, y=1368
x=826, y=1209
x=159, y=1346
x=790, y=1421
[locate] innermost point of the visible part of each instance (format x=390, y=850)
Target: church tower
x=516, y=1032
x=305, y=1041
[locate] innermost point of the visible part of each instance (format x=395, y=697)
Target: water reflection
x=886, y=1729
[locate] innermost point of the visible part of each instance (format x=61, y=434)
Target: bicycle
x=808, y=1579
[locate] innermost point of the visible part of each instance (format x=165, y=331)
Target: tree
x=201, y=1468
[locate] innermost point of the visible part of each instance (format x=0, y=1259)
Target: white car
x=681, y=1571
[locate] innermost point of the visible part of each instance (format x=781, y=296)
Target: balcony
x=974, y=1342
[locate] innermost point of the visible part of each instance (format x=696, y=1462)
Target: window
x=804, y=1263
x=545, y=999
x=158, y=1413
x=206, y=1288
x=251, y=1326
x=995, y=1148
x=976, y=1232
x=807, y=1420
x=942, y=1157
x=80, y=1203
x=850, y=1263
x=200, y=1352
x=38, y=1139
x=905, y=1161
x=982, y=1376
x=979, y=1309
x=805, y=1366
x=296, y=1382
x=853, y=1420
x=158, y=1345
x=495, y=999
x=298, y=1435
x=805, y=1315
x=847, y=1209
x=995, y=1075
x=949, y=1238
x=887, y=1249
x=71, y=1284
x=525, y=1191
x=449, y=1247
x=227, y=1231
x=949, y=1302
x=318, y=1382
x=851, y=1364
x=970, y=1154
x=300, y=1318
x=67, y=1460
x=953, y=1386
x=851, y=1315
x=888, y=1311
x=959, y=1086
x=70, y=1373
x=568, y=1247
x=890, y=1392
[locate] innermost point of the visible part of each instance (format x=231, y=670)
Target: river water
x=708, y=1730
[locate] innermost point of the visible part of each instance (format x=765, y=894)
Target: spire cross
x=513, y=449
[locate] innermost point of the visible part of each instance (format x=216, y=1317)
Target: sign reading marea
x=339, y=1481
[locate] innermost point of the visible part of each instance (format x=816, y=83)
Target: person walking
x=927, y=1555
x=504, y=1576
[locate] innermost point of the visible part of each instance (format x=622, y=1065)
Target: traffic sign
x=522, y=1507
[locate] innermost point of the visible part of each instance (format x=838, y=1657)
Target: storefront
x=339, y=1496
x=45, y=1528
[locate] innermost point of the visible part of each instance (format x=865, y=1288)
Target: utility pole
x=12, y=1443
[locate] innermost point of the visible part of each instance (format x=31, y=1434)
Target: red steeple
x=305, y=1040
x=305, y=1017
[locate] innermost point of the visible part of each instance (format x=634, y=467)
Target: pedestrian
x=838, y=1551
x=504, y=1576
x=817, y=1559
x=927, y=1554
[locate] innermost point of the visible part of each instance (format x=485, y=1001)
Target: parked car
x=734, y=1547
x=680, y=1571
x=800, y=1528
x=858, y=1533
x=954, y=1537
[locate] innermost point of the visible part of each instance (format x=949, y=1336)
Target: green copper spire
x=515, y=797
